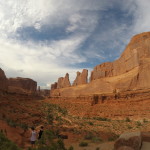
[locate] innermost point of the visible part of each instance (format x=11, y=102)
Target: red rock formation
x=3, y=81
x=81, y=78
x=54, y=86
x=136, y=50
x=63, y=82
x=26, y=84
x=130, y=72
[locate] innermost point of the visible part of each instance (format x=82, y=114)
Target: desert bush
x=101, y=119
x=145, y=120
x=90, y=123
x=83, y=144
x=6, y=144
x=88, y=136
x=71, y=148
x=96, y=139
x=128, y=119
x=138, y=123
x=129, y=127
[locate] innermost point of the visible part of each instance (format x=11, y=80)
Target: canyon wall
x=129, y=72
x=136, y=50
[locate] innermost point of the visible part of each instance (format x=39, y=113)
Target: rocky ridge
x=17, y=85
x=129, y=72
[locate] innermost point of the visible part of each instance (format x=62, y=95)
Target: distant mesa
x=17, y=85
x=26, y=84
x=130, y=72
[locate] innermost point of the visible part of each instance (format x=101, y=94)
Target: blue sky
x=44, y=39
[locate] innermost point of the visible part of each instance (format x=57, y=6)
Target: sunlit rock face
x=137, y=50
x=54, y=86
x=81, y=78
x=130, y=72
x=26, y=84
x=3, y=81
x=63, y=82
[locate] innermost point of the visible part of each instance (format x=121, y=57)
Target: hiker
x=41, y=132
x=33, y=137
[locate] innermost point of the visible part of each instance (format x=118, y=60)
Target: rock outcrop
x=25, y=84
x=136, y=50
x=54, y=86
x=3, y=81
x=63, y=82
x=81, y=78
x=129, y=72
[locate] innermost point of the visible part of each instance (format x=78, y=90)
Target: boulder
x=132, y=140
x=3, y=81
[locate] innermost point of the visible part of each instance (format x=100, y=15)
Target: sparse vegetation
x=101, y=119
x=83, y=144
x=6, y=144
x=138, y=123
x=145, y=120
x=128, y=119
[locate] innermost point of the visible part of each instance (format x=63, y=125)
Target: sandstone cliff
x=3, y=81
x=26, y=84
x=81, y=78
x=130, y=72
x=54, y=86
x=136, y=50
x=63, y=82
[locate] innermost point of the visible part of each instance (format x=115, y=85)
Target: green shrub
x=129, y=127
x=90, y=123
x=138, y=123
x=128, y=119
x=145, y=120
x=83, y=144
x=71, y=148
x=88, y=136
x=96, y=139
x=6, y=144
x=101, y=119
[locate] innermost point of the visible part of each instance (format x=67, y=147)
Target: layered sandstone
x=3, y=81
x=130, y=72
x=63, y=82
x=26, y=84
x=54, y=86
x=81, y=78
x=136, y=50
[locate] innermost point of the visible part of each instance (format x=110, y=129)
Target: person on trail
x=40, y=132
x=33, y=137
